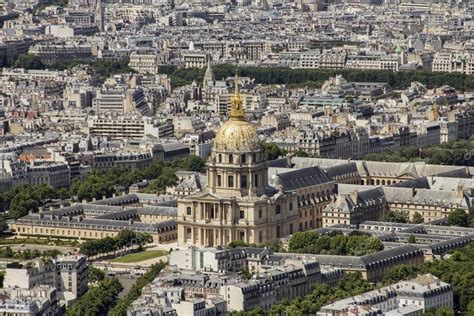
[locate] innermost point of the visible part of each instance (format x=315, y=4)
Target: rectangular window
x=256, y=180
x=242, y=235
x=278, y=231
x=242, y=214
x=219, y=180
x=230, y=181
x=188, y=233
x=291, y=206
x=259, y=213
x=188, y=210
x=243, y=181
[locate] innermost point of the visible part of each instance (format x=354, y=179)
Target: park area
x=140, y=256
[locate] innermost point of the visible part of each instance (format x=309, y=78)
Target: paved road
x=127, y=280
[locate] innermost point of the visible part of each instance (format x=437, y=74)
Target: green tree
x=237, y=244
x=301, y=240
x=22, y=204
x=458, y=217
x=272, y=151
x=95, y=275
x=470, y=308
x=412, y=239
x=338, y=244
x=28, y=61
x=395, y=217
x=301, y=153
x=417, y=218
x=98, y=300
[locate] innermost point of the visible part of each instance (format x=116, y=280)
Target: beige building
x=238, y=204
x=68, y=275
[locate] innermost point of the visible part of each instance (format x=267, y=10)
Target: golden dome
x=237, y=134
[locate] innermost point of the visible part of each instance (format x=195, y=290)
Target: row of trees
x=457, y=270
x=28, y=254
x=458, y=217
x=98, y=300
x=121, y=308
x=316, y=77
x=123, y=240
x=458, y=153
x=401, y=217
x=101, y=183
x=291, y=77
x=102, y=68
x=336, y=244
x=22, y=199
x=461, y=218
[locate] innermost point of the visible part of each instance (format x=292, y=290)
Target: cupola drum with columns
x=237, y=164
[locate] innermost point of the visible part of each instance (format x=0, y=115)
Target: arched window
x=219, y=158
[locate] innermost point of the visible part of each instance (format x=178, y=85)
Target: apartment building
x=121, y=127
x=67, y=274
x=120, y=100
x=146, y=61
x=413, y=297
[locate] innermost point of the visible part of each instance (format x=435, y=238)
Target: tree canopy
x=458, y=217
x=98, y=300
x=28, y=61
x=272, y=151
x=315, y=78
x=355, y=245
x=124, y=239
x=456, y=152
x=395, y=217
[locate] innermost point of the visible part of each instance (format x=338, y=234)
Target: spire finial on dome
x=237, y=109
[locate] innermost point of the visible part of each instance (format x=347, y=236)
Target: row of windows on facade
x=242, y=212
x=242, y=233
x=243, y=181
x=243, y=158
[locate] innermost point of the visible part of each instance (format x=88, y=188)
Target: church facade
x=238, y=203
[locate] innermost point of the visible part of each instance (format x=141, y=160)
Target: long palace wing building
x=238, y=203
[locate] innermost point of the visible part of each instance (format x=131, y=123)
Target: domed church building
x=238, y=203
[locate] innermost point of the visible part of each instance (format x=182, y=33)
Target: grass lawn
x=140, y=256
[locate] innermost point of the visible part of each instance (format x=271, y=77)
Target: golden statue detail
x=236, y=109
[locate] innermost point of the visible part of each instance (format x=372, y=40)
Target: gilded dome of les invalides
x=237, y=134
